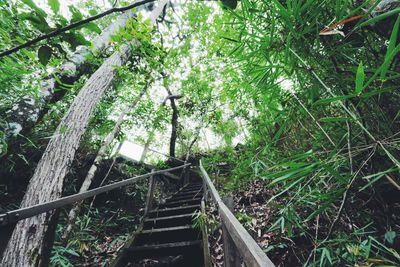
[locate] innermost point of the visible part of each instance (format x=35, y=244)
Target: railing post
x=150, y=193
x=206, y=248
x=231, y=255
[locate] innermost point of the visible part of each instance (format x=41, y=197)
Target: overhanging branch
x=72, y=26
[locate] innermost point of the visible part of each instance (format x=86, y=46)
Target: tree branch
x=171, y=97
x=72, y=26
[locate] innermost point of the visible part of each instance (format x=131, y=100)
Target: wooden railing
x=14, y=216
x=237, y=241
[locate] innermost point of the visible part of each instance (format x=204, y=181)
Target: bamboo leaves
x=360, y=77
x=54, y=5
x=390, y=53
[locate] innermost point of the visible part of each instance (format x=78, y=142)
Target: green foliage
x=318, y=114
x=54, y=5
x=199, y=220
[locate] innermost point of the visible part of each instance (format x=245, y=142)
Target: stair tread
x=168, y=217
x=158, y=230
x=187, y=192
x=189, y=197
x=174, y=208
x=181, y=201
x=166, y=245
x=183, y=189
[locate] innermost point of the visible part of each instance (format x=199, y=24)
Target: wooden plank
x=169, y=217
x=171, y=175
x=175, y=208
x=150, y=193
x=182, y=201
x=23, y=213
x=252, y=254
x=167, y=229
x=206, y=249
x=166, y=245
x=231, y=256
x=214, y=193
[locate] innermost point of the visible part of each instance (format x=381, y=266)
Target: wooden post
x=185, y=175
x=150, y=194
x=231, y=255
x=206, y=248
x=205, y=190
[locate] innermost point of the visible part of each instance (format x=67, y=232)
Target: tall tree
x=99, y=157
x=27, y=245
x=174, y=121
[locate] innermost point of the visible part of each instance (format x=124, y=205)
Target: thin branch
x=72, y=26
x=314, y=119
x=177, y=96
x=392, y=181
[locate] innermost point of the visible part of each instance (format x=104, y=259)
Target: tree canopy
x=296, y=100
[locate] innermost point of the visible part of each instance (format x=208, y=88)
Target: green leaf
x=40, y=12
x=38, y=22
x=335, y=119
x=360, y=77
x=93, y=27
x=76, y=14
x=392, y=45
x=390, y=236
x=380, y=17
x=44, y=54
x=54, y=5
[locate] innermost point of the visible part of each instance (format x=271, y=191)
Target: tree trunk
x=146, y=146
x=27, y=112
x=174, y=123
x=26, y=245
x=99, y=157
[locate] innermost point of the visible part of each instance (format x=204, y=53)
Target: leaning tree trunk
x=26, y=244
x=27, y=112
x=99, y=157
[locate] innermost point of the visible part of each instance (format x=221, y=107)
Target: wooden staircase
x=168, y=237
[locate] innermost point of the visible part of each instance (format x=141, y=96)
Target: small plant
x=59, y=256
x=199, y=220
x=243, y=218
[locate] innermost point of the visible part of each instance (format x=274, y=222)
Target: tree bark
x=174, y=122
x=99, y=157
x=26, y=245
x=27, y=112
x=146, y=146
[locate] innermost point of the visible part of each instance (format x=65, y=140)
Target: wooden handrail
x=247, y=247
x=26, y=212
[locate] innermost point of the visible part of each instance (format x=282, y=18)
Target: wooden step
x=186, y=197
x=189, y=251
x=168, y=221
x=181, y=203
x=164, y=212
x=167, y=235
x=188, y=193
x=191, y=188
